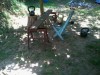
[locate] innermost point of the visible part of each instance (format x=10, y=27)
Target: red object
x=34, y=26
x=32, y=31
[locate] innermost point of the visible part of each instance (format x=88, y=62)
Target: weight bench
x=35, y=25
x=60, y=29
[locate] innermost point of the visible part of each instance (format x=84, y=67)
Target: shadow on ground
x=68, y=57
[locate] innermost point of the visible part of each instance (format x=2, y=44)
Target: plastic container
x=45, y=1
x=98, y=1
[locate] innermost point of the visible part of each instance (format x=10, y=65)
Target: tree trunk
x=41, y=7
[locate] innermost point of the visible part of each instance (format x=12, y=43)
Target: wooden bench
x=35, y=25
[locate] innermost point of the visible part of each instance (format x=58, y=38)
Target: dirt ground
x=58, y=57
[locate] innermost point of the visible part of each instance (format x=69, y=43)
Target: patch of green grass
x=4, y=55
x=94, y=12
x=93, y=50
x=95, y=46
x=9, y=44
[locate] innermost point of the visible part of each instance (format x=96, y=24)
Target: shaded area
x=93, y=50
x=4, y=23
x=68, y=57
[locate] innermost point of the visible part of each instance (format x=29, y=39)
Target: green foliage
x=31, y=2
x=4, y=24
x=94, y=12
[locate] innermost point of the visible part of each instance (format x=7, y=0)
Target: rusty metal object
x=34, y=26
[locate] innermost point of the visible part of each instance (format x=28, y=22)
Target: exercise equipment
x=84, y=32
x=59, y=30
x=31, y=10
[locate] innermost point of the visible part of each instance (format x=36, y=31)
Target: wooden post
x=41, y=6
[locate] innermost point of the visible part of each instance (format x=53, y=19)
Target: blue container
x=98, y=1
x=45, y=1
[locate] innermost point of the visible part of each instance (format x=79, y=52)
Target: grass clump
x=93, y=50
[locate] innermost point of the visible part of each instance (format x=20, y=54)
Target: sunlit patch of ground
x=18, y=22
x=66, y=58
x=25, y=68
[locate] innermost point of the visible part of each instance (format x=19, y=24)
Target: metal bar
x=62, y=29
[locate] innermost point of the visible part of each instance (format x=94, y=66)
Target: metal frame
x=61, y=29
x=34, y=26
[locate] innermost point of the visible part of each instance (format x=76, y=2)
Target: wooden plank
x=31, y=20
x=41, y=19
